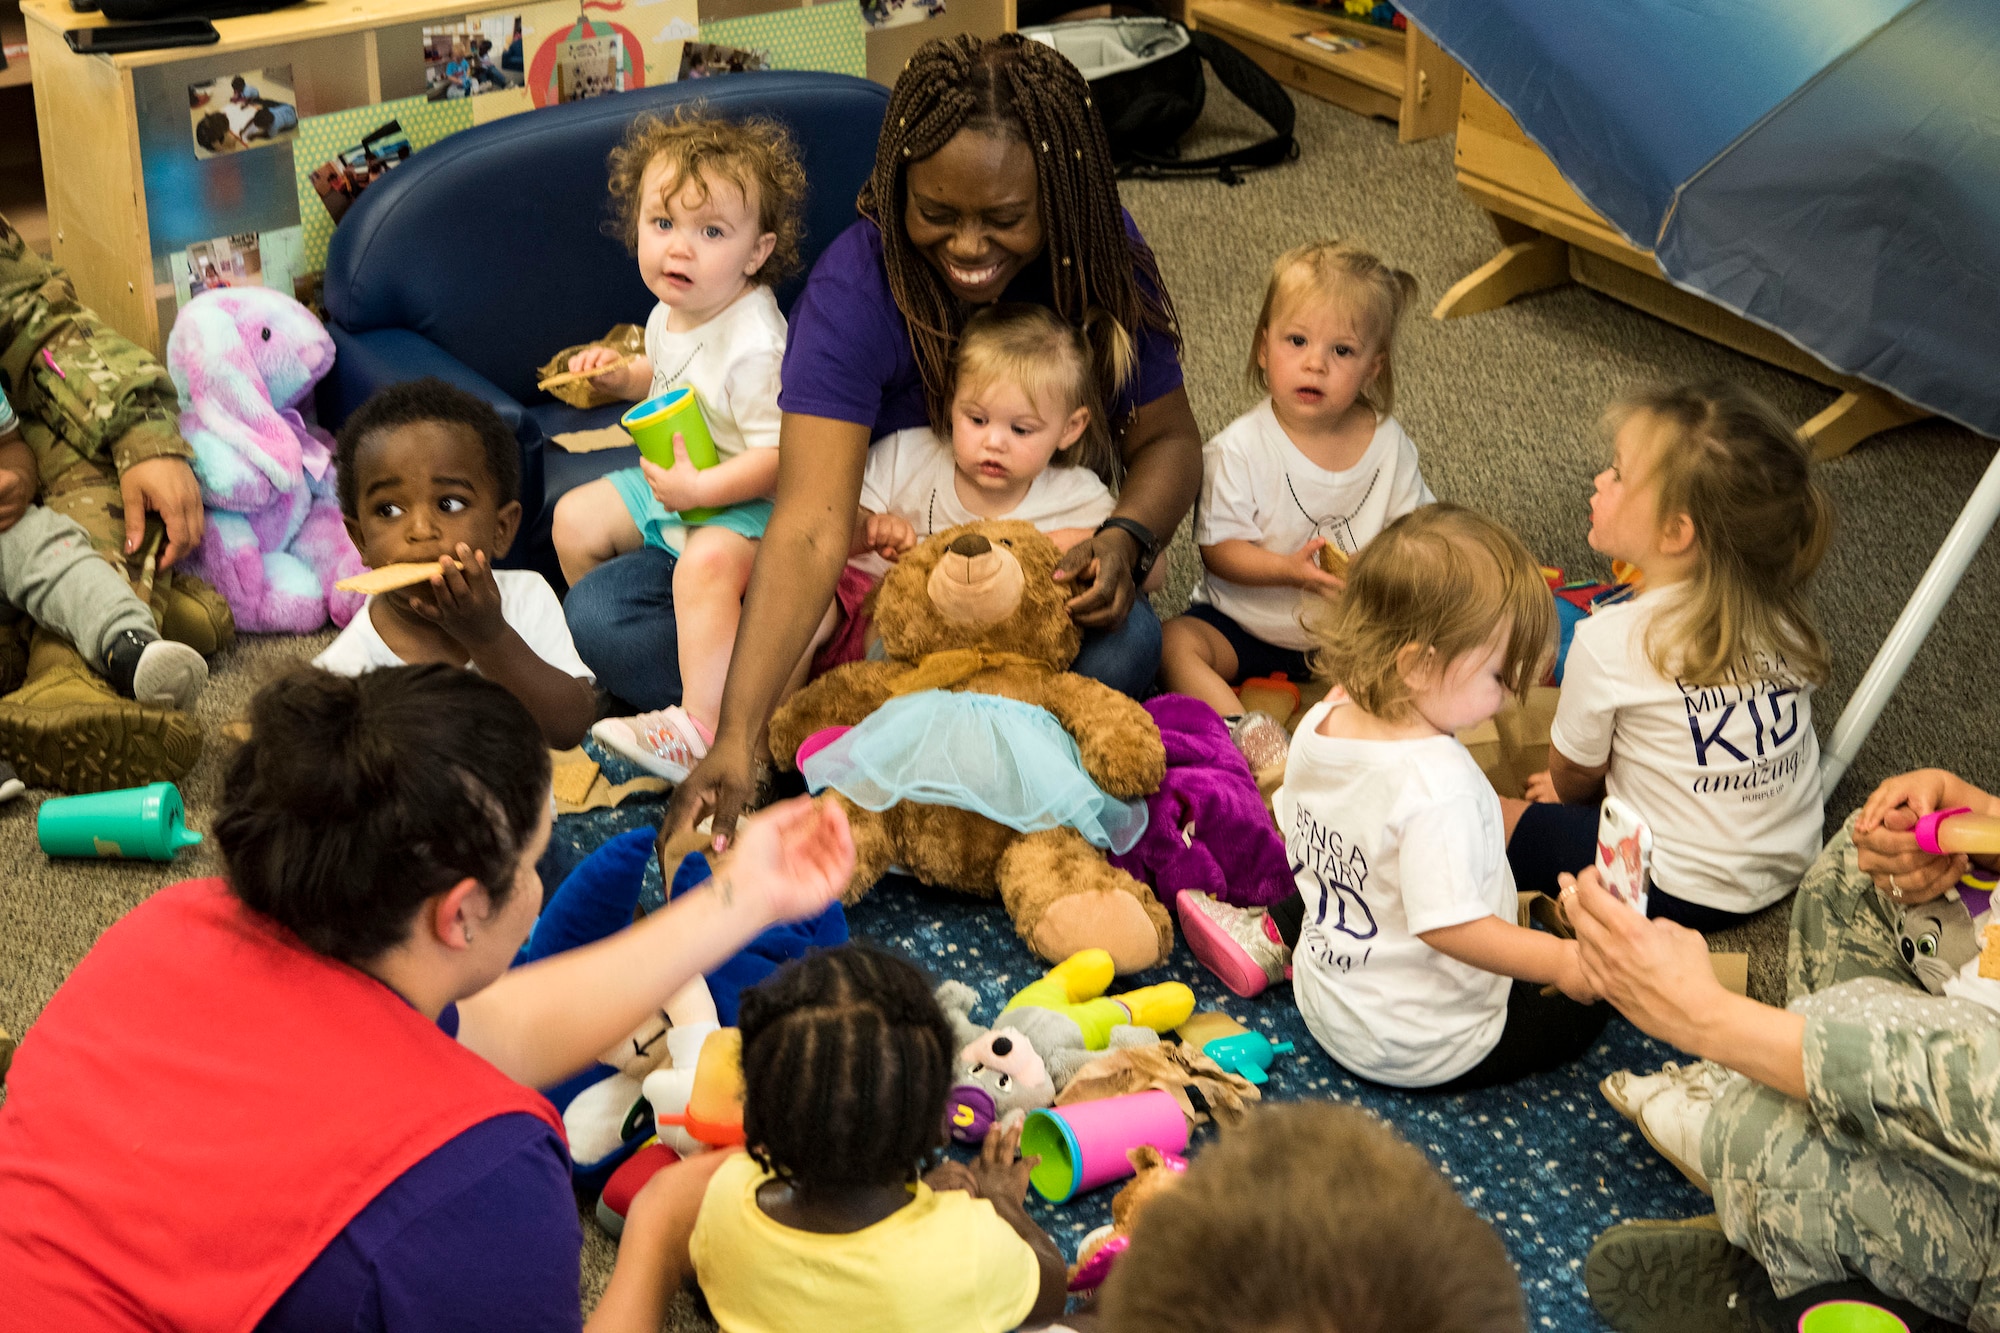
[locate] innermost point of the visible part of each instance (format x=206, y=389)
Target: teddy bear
x=1051, y=1029
x=1154, y=1173
x=973, y=759
x=243, y=359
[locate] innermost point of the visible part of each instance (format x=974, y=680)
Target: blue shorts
x=656, y=523
x=1254, y=657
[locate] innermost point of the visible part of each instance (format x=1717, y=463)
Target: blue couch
x=482, y=256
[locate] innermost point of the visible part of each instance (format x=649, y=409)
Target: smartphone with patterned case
x=1624, y=853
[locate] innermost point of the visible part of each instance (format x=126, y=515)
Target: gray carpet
x=1503, y=407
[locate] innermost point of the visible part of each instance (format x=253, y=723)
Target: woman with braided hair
x=992, y=182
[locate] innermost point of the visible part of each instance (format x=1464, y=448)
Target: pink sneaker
x=667, y=743
x=1236, y=943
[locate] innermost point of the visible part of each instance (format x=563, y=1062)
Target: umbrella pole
x=1885, y=673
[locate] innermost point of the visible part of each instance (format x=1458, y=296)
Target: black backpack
x=1146, y=80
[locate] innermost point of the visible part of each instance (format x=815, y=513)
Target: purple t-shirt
x=480, y=1235
x=848, y=354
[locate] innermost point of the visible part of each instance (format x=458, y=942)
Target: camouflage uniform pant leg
x=1815, y=1205
x=88, y=493
x=1842, y=927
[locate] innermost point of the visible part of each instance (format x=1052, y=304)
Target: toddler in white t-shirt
x=1693, y=701
x=1319, y=463
x=429, y=472
x=712, y=209
x=1028, y=441
x=1403, y=936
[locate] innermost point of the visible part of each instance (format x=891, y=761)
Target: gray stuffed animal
x=1938, y=938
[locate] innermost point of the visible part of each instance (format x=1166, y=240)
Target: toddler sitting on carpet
x=429, y=472
x=1310, y=1216
x=711, y=207
x=825, y=1223
x=1693, y=701
x=1319, y=463
x=1403, y=938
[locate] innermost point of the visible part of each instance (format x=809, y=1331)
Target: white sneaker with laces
x=169, y=675
x=1628, y=1092
x=665, y=743
x=1672, y=1119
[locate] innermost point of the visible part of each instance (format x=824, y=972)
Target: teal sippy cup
x=137, y=823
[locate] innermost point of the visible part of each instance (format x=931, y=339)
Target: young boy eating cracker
x=430, y=474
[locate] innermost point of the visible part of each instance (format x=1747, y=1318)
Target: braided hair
x=846, y=1065
x=1017, y=87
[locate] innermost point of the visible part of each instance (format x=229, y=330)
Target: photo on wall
x=896, y=13
x=233, y=112
x=253, y=259
x=340, y=180
x=702, y=60
x=590, y=67
x=473, y=55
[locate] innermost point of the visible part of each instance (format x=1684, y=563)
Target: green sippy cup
x=653, y=425
x=138, y=823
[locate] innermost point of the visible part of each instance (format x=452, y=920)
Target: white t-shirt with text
x=527, y=603
x=1726, y=775
x=1389, y=840
x=731, y=363
x=910, y=474
x=1257, y=486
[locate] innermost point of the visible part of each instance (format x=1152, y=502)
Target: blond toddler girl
x=1320, y=462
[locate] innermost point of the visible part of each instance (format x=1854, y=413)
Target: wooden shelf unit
x=22, y=200
x=1549, y=236
x=1401, y=75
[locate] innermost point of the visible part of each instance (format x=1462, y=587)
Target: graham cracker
x=389, y=577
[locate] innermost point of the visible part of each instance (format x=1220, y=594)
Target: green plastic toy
x=653, y=425
x=138, y=823
x=1850, y=1317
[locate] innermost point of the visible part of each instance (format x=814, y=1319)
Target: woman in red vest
x=303, y=1097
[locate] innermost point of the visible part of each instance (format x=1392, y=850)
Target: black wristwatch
x=1149, y=545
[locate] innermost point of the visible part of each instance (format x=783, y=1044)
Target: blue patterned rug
x=1546, y=1160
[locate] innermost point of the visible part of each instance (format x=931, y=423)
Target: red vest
x=201, y=1109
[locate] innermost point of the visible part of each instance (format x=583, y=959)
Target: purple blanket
x=1209, y=829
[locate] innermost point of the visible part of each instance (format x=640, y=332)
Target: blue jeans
x=622, y=617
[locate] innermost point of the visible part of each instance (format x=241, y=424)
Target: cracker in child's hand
x=1989, y=952
x=389, y=578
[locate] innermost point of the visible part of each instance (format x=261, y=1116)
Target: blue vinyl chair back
x=497, y=245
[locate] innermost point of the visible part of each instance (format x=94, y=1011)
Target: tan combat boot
x=193, y=613
x=66, y=729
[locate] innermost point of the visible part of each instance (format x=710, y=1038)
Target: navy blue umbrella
x=1829, y=169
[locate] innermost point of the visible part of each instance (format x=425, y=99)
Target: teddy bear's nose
x=970, y=544
x=1002, y=1046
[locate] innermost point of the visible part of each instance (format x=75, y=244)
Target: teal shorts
x=660, y=526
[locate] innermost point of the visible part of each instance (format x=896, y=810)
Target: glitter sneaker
x=1261, y=739
x=1238, y=944
x=666, y=743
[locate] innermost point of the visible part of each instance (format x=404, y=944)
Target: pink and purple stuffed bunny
x=243, y=359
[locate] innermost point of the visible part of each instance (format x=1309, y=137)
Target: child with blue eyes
x=428, y=472
x=1319, y=463
x=711, y=207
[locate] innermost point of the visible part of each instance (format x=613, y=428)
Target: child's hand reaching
x=1309, y=574
x=464, y=599
x=888, y=535
x=1569, y=977
x=1000, y=1174
x=1541, y=789
x=16, y=491
x=677, y=487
